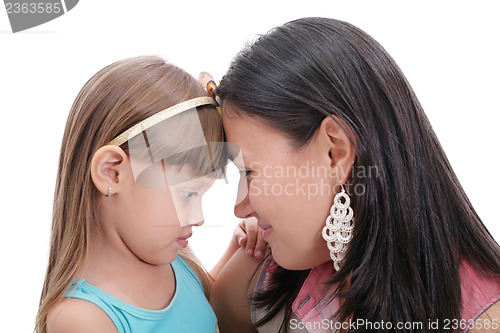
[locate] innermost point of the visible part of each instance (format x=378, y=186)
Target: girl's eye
x=188, y=195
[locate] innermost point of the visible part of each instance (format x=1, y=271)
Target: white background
x=447, y=49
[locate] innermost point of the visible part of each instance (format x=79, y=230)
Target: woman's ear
x=339, y=141
x=109, y=168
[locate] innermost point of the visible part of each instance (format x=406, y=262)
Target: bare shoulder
x=232, y=291
x=76, y=315
x=489, y=321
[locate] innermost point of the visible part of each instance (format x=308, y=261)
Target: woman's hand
x=248, y=235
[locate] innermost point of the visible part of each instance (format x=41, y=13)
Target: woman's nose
x=243, y=208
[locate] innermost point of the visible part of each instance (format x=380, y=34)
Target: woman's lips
x=267, y=230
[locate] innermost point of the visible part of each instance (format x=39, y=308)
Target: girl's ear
x=337, y=137
x=109, y=168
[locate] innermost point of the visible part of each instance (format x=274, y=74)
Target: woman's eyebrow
x=244, y=156
x=241, y=162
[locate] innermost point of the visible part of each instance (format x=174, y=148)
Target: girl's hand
x=248, y=235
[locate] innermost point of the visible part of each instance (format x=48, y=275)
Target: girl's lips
x=183, y=241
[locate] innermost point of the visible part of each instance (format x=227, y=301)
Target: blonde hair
x=114, y=99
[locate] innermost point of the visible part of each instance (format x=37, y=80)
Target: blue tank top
x=189, y=310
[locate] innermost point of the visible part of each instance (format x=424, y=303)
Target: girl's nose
x=195, y=215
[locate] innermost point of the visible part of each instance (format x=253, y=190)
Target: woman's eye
x=245, y=173
x=188, y=195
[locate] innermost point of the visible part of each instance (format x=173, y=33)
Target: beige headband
x=161, y=116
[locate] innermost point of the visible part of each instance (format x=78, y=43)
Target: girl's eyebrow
x=200, y=181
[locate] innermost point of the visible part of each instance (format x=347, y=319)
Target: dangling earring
x=109, y=192
x=338, y=229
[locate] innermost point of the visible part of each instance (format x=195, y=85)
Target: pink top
x=312, y=307
x=478, y=292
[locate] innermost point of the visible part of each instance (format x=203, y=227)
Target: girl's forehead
x=203, y=182
x=184, y=174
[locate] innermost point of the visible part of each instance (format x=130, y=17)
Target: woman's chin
x=296, y=262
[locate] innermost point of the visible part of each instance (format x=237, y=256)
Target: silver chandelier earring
x=339, y=225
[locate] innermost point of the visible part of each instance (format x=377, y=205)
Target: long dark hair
x=414, y=222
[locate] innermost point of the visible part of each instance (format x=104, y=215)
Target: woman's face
x=289, y=191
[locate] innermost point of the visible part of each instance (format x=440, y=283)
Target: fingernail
x=250, y=252
x=239, y=240
x=258, y=254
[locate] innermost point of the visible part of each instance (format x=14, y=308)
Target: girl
x=141, y=146
x=372, y=230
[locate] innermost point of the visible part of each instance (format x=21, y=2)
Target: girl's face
x=156, y=223
x=289, y=191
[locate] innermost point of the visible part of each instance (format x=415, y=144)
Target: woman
x=330, y=129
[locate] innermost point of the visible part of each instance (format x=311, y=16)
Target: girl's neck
x=117, y=271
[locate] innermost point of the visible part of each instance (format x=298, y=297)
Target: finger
x=239, y=234
x=252, y=234
x=260, y=246
x=242, y=241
